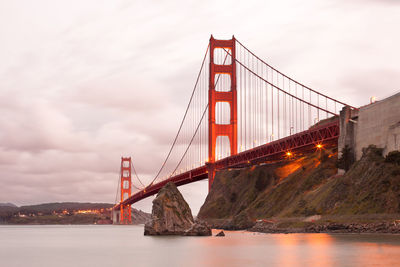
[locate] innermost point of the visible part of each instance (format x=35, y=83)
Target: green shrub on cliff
x=393, y=157
x=346, y=160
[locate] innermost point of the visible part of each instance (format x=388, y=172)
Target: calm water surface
x=110, y=245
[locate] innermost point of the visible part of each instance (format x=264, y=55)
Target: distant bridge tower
x=126, y=182
x=224, y=95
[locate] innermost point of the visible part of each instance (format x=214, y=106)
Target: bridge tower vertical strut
x=126, y=190
x=214, y=96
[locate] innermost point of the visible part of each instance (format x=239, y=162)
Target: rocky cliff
x=140, y=217
x=171, y=215
x=302, y=187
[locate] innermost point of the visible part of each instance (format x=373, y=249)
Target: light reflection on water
x=108, y=245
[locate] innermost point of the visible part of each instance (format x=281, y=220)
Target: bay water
x=113, y=245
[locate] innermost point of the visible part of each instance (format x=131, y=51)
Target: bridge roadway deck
x=326, y=134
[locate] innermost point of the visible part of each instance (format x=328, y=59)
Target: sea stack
x=171, y=215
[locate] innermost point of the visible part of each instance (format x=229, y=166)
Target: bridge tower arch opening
x=216, y=95
x=126, y=190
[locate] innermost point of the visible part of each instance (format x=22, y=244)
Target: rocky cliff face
x=171, y=215
x=371, y=186
x=303, y=187
x=140, y=217
x=239, y=197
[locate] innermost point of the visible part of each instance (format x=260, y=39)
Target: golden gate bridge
x=242, y=111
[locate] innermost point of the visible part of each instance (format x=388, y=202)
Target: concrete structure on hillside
x=375, y=124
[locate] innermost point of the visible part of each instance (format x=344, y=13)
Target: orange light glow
x=288, y=153
x=319, y=146
x=288, y=169
x=88, y=211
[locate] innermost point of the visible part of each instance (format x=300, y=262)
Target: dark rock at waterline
x=199, y=229
x=377, y=227
x=171, y=215
x=220, y=234
x=357, y=227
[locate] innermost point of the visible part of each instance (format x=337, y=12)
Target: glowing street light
x=319, y=146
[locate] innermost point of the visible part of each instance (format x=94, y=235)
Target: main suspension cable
x=119, y=182
x=198, y=125
x=293, y=80
x=183, y=120
x=281, y=90
x=137, y=177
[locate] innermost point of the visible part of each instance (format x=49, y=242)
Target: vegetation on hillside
x=305, y=186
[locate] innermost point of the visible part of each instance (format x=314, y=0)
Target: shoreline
x=330, y=228
x=350, y=228
x=358, y=224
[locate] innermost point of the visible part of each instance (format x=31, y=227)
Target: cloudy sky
x=83, y=83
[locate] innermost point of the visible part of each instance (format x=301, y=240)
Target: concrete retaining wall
x=377, y=124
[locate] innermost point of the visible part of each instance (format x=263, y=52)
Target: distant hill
x=64, y=213
x=55, y=213
x=7, y=210
x=47, y=208
x=8, y=205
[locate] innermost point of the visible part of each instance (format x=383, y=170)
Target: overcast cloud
x=83, y=83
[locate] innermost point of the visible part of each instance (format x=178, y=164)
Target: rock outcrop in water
x=221, y=233
x=171, y=215
x=198, y=229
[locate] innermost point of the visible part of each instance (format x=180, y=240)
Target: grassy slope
x=372, y=186
x=234, y=190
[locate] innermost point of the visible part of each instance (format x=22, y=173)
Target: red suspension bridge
x=242, y=111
